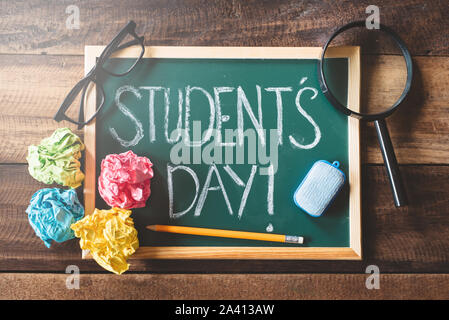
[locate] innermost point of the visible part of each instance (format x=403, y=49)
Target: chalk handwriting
x=207, y=188
x=192, y=173
x=309, y=118
x=130, y=115
x=205, y=143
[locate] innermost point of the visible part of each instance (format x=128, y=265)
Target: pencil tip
x=152, y=227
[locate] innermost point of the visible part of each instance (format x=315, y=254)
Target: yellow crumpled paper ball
x=110, y=237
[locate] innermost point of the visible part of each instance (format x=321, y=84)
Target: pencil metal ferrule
x=294, y=239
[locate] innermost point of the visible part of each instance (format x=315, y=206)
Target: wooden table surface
x=40, y=60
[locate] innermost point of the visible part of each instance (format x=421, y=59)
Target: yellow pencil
x=227, y=233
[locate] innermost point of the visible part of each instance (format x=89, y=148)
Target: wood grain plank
x=409, y=239
x=419, y=129
x=38, y=26
x=223, y=286
x=33, y=87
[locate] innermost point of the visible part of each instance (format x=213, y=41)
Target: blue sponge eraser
x=320, y=186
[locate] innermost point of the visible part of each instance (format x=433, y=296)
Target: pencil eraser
x=319, y=188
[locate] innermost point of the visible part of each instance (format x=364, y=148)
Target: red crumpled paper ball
x=124, y=180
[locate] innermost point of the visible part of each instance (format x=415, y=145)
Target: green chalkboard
x=143, y=108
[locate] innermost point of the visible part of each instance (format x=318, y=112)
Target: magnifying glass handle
x=391, y=164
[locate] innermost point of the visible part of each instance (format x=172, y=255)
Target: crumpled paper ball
x=55, y=160
x=110, y=237
x=124, y=180
x=51, y=213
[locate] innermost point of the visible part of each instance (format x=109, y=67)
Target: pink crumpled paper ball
x=124, y=180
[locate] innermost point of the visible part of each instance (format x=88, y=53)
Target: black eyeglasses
x=101, y=66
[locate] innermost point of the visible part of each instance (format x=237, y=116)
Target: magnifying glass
x=379, y=76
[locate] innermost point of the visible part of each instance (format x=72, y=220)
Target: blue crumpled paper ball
x=51, y=213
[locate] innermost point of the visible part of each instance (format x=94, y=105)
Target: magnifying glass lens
x=383, y=69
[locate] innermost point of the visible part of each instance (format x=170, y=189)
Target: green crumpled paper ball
x=55, y=160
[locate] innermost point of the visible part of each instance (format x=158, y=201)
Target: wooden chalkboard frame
x=353, y=252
